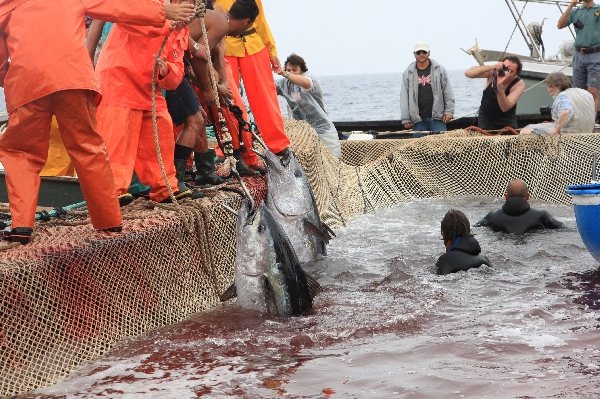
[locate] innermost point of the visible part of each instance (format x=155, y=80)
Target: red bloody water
x=386, y=326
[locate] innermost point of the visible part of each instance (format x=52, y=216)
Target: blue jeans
x=428, y=125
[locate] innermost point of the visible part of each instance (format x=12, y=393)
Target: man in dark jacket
x=462, y=249
x=516, y=216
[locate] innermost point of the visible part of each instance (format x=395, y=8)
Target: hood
x=515, y=206
x=467, y=244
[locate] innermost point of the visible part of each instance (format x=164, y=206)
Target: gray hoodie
x=443, y=97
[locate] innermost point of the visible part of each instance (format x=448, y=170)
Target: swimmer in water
x=462, y=249
x=516, y=216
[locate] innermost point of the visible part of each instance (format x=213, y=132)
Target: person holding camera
x=586, y=60
x=426, y=98
x=502, y=90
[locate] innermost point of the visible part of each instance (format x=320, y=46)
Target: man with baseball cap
x=426, y=97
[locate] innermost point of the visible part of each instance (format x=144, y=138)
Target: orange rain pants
x=24, y=150
x=129, y=137
x=249, y=157
x=262, y=96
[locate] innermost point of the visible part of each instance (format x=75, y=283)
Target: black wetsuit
x=517, y=217
x=463, y=255
x=491, y=117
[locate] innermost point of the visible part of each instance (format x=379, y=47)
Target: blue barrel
x=586, y=201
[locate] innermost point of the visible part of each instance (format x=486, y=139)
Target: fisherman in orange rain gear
x=218, y=26
x=51, y=74
x=253, y=53
x=125, y=114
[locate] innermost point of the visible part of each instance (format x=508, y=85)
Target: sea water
x=386, y=326
x=377, y=96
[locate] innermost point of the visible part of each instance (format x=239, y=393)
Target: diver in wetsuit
x=462, y=249
x=516, y=216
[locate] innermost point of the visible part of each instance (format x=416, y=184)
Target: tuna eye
x=297, y=173
x=261, y=228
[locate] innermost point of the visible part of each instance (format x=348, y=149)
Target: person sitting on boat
x=462, y=249
x=503, y=88
x=51, y=74
x=586, y=60
x=304, y=94
x=426, y=97
x=516, y=216
x=572, y=109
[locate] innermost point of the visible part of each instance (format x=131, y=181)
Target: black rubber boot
x=180, y=167
x=241, y=167
x=205, y=169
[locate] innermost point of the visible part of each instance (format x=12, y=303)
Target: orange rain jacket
x=125, y=72
x=44, y=62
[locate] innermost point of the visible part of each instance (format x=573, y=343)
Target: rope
x=498, y=132
x=155, y=125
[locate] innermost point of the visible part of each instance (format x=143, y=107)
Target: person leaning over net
x=516, y=216
x=304, y=95
x=52, y=74
x=572, y=109
x=462, y=249
x=502, y=90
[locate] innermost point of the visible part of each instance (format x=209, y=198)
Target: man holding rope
x=53, y=75
x=125, y=70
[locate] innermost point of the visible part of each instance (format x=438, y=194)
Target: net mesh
x=72, y=293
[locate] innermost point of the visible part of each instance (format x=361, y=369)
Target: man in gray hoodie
x=426, y=98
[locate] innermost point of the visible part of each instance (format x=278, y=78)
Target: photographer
x=502, y=90
x=586, y=60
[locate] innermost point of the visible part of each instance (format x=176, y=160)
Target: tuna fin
x=328, y=229
x=317, y=231
x=229, y=293
x=269, y=297
x=314, y=288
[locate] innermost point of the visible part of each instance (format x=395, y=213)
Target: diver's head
x=517, y=188
x=455, y=224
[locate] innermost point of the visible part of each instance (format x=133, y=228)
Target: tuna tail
x=314, y=288
x=230, y=293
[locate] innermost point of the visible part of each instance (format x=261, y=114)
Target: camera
x=578, y=24
x=503, y=71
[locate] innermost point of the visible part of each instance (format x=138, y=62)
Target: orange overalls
x=125, y=113
x=51, y=74
x=249, y=157
x=251, y=55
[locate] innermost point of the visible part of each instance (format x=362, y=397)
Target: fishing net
x=72, y=293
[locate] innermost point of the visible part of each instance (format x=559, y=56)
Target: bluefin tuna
x=290, y=199
x=268, y=276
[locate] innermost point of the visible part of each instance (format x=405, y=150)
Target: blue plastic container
x=586, y=201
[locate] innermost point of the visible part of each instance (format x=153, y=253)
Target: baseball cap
x=421, y=46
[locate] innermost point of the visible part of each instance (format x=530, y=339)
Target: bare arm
x=299, y=80
x=94, y=35
x=562, y=21
x=481, y=71
x=216, y=28
x=507, y=102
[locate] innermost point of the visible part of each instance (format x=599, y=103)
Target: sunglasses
x=419, y=52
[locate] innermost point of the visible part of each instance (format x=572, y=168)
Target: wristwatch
x=196, y=47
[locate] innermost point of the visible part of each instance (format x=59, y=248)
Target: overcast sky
x=340, y=37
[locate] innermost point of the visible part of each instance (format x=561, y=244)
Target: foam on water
x=386, y=325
